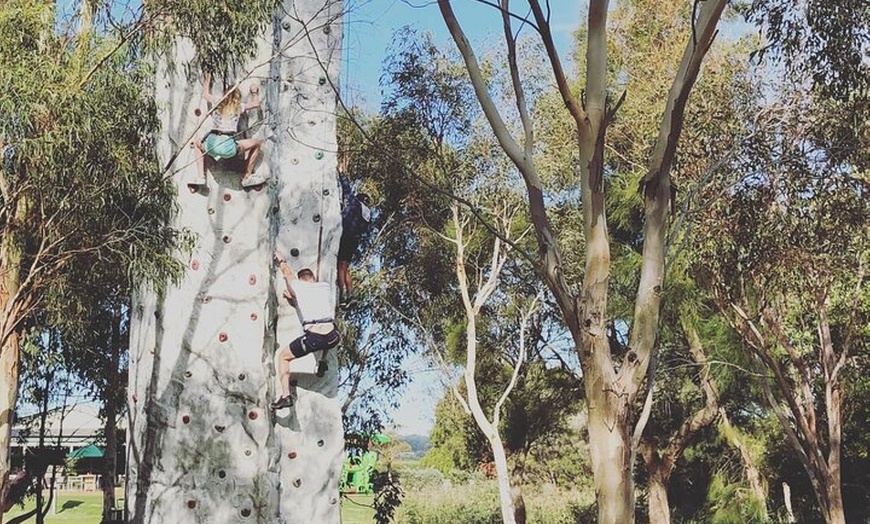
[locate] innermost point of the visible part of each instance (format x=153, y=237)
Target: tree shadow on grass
x=70, y=504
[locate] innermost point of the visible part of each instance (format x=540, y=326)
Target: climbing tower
x=203, y=446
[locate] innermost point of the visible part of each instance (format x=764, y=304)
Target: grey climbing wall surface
x=203, y=445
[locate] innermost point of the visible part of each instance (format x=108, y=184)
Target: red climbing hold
x=223, y=337
x=291, y=455
x=252, y=280
x=185, y=419
x=194, y=265
x=253, y=415
x=254, y=316
x=227, y=197
x=197, y=111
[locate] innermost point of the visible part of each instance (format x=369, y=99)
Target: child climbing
x=315, y=305
x=222, y=141
x=355, y=219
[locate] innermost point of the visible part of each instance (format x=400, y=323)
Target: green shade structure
x=90, y=451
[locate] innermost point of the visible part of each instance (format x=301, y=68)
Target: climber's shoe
x=283, y=402
x=253, y=180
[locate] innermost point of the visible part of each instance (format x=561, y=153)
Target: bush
x=421, y=479
x=477, y=502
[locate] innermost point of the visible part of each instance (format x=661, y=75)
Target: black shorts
x=310, y=342
x=347, y=247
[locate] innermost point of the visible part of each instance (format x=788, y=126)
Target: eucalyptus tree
x=79, y=179
x=784, y=253
x=612, y=384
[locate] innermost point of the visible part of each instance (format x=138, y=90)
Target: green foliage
x=224, y=32
x=476, y=501
x=731, y=503
x=84, y=172
x=823, y=40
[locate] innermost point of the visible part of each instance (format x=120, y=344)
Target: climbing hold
x=185, y=419
x=333, y=500
x=188, y=374
x=227, y=239
x=320, y=443
x=194, y=265
x=156, y=313
x=275, y=209
x=294, y=252
x=191, y=503
x=219, y=429
x=135, y=398
x=297, y=483
x=291, y=455
x=318, y=155
x=321, y=80
x=223, y=337
x=252, y=280
x=253, y=415
x=241, y=376
x=326, y=192
x=286, y=25
x=222, y=473
x=245, y=513
x=211, y=211
x=227, y=197
x=206, y=299
x=327, y=29
x=294, y=161
x=197, y=112
x=316, y=217
x=253, y=316
x=247, y=452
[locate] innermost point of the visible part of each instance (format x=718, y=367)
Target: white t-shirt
x=314, y=300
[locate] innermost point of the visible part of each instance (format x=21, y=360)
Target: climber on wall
x=355, y=219
x=315, y=305
x=222, y=141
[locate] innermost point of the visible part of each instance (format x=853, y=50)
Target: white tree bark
x=202, y=444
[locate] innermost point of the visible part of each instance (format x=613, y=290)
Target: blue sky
x=370, y=24
x=369, y=27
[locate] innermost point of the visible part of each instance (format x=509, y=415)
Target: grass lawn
x=86, y=508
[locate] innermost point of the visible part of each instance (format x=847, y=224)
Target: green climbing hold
x=326, y=192
x=318, y=155
x=286, y=25
x=321, y=80
x=317, y=218
x=327, y=29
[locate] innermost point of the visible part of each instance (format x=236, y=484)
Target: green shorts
x=220, y=146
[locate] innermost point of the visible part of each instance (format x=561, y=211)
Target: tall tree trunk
x=204, y=446
x=110, y=397
x=611, y=465
x=659, y=509
x=43, y=417
x=10, y=358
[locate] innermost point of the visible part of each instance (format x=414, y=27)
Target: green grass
x=87, y=508
x=81, y=508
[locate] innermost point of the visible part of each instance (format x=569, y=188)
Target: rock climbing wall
x=203, y=445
